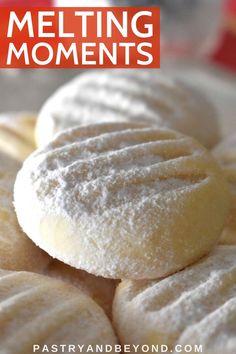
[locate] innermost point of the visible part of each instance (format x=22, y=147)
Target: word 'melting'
x=72, y=37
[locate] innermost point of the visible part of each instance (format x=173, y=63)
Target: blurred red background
x=225, y=54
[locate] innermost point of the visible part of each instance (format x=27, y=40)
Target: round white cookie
x=17, y=134
x=38, y=312
x=100, y=289
x=122, y=200
x=195, y=307
x=128, y=95
x=225, y=153
x=17, y=251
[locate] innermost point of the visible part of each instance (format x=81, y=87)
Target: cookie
x=101, y=290
x=225, y=153
x=195, y=307
x=17, y=136
x=17, y=251
x=120, y=200
x=128, y=95
x=38, y=312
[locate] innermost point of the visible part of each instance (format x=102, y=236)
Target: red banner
x=79, y=37
x=26, y=3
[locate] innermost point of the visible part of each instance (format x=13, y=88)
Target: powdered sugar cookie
x=17, y=251
x=100, y=289
x=38, y=312
x=17, y=136
x=128, y=95
x=120, y=200
x=196, y=306
x=225, y=153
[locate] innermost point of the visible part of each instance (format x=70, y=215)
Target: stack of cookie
x=127, y=222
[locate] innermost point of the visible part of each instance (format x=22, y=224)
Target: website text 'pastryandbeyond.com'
x=128, y=348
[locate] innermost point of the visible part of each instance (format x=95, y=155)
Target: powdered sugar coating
x=120, y=200
x=17, y=136
x=36, y=309
x=128, y=95
x=196, y=306
x=17, y=251
x=101, y=290
x=225, y=153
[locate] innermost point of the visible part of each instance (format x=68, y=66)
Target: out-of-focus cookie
x=129, y=95
x=225, y=153
x=123, y=200
x=17, y=134
x=40, y=311
x=17, y=251
x=196, y=306
x=100, y=289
